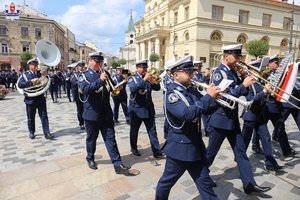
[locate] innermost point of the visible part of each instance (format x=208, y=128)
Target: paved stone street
x=42, y=169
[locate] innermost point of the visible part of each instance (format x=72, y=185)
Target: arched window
x=187, y=36
x=216, y=36
x=266, y=39
x=242, y=38
x=284, y=43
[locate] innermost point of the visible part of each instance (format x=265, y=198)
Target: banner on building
x=11, y=11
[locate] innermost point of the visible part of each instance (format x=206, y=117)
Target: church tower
x=128, y=51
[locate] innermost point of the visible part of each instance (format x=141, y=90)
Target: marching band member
x=30, y=78
x=273, y=113
x=141, y=108
x=68, y=82
x=198, y=76
x=224, y=122
x=253, y=120
x=78, y=97
x=184, y=147
x=121, y=98
x=98, y=114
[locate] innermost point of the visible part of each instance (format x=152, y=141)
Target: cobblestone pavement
x=43, y=169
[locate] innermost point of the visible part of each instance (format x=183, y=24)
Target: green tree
x=25, y=56
x=257, y=48
x=122, y=61
x=114, y=64
x=153, y=58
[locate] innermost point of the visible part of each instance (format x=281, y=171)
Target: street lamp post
x=173, y=36
x=291, y=32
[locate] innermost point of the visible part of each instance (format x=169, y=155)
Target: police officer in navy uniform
x=121, y=98
x=273, y=113
x=184, y=147
x=78, y=97
x=199, y=77
x=224, y=122
x=167, y=79
x=68, y=82
x=141, y=108
x=98, y=114
x=253, y=119
x=27, y=79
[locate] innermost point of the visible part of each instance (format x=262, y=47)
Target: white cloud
x=100, y=22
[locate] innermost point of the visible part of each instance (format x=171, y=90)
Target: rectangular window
x=287, y=23
x=38, y=33
x=3, y=30
x=266, y=21
x=187, y=13
x=175, y=18
x=4, y=48
x=217, y=12
x=243, y=17
x=24, y=31
x=25, y=48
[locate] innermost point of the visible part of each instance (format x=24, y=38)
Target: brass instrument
x=48, y=54
x=115, y=90
x=227, y=100
x=247, y=67
x=155, y=76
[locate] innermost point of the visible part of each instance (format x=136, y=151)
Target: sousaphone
x=48, y=54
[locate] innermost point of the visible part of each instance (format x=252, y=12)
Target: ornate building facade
x=176, y=28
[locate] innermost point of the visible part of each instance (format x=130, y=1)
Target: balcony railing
x=157, y=30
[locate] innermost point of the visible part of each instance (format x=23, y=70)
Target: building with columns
x=176, y=28
x=128, y=52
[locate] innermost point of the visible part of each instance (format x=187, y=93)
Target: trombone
x=227, y=100
x=246, y=67
x=115, y=90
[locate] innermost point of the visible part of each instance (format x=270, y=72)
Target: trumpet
x=247, y=67
x=155, y=78
x=226, y=100
x=115, y=90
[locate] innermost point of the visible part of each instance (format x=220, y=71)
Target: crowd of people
x=184, y=107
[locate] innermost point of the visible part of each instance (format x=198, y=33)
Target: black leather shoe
x=292, y=153
x=116, y=121
x=122, y=169
x=257, y=150
x=92, y=164
x=275, y=167
x=31, y=136
x=49, y=136
x=213, y=183
x=135, y=152
x=255, y=189
x=275, y=139
x=159, y=154
x=82, y=127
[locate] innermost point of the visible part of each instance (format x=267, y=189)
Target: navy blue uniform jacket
x=141, y=103
x=224, y=117
x=24, y=82
x=185, y=143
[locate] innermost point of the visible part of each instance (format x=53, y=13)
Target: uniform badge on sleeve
x=173, y=98
x=217, y=76
x=130, y=80
x=80, y=78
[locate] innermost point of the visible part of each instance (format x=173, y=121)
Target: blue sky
x=103, y=22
